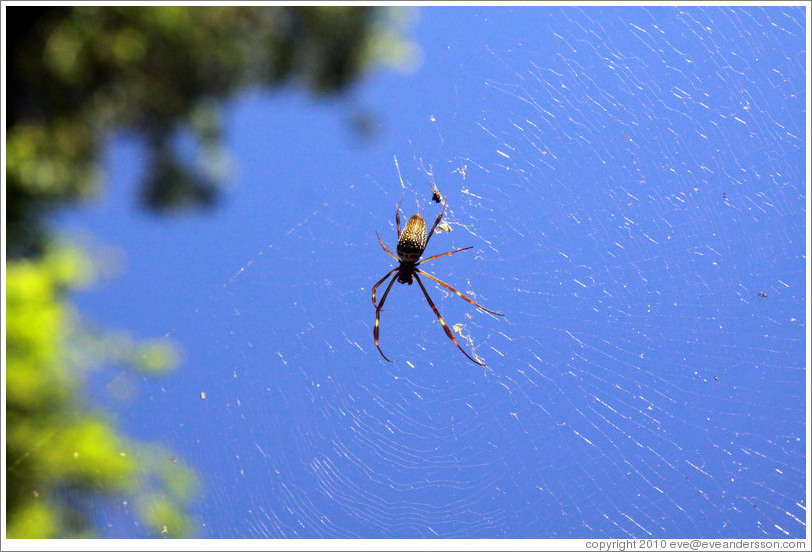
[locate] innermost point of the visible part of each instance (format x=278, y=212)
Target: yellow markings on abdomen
x=412, y=240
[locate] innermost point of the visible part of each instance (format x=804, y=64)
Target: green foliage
x=57, y=449
x=77, y=73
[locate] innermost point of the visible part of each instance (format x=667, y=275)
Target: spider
x=411, y=244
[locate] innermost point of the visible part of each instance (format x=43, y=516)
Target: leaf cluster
x=74, y=76
x=62, y=454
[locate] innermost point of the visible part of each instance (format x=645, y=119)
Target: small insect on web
x=436, y=197
x=412, y=241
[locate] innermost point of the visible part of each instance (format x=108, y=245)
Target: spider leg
x=379, y=283
x=384, y=247
x=378, y=316
x=444, y=254
x=436, y=222
x=424, y=273
x=445, y=327
x=397, y=212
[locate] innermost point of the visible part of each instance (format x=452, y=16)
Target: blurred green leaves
x=75, y=75
x=58, y=448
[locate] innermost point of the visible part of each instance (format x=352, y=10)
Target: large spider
x=411, y=244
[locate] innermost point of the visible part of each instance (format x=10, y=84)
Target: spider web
x=631, y=180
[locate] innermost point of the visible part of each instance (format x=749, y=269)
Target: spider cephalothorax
x=412, y=241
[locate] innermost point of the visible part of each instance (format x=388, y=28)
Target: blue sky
x=630, y=179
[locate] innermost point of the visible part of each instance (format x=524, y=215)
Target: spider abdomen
x=412, y=241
